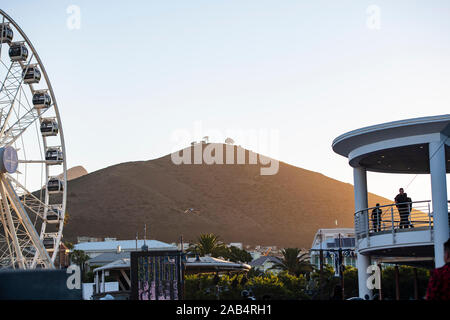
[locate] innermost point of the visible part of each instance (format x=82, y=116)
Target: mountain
x=235, y=202
x=75, y=172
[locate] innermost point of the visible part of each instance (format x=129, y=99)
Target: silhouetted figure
x=401, y=201
x=410, y=225
x=376, y=218
x=439, y=283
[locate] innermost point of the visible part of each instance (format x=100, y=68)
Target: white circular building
x=413, y=146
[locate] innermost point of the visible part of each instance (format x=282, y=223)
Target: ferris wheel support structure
x=31, y=222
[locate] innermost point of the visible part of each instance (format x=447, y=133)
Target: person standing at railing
x=401, y=202
x=410, y=225
x=439, y=284
x=376, y=218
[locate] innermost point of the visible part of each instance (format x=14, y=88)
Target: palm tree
x=208, y=244
x=80, y=258
x=294, y=262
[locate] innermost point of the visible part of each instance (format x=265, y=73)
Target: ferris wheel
x=33, y=178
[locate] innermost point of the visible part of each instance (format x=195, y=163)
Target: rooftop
x=125, y=245
x=193, y=265
x=261, y=260
x=395, y=147
x=108, y=257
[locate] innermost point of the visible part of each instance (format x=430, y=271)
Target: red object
x=439, y=284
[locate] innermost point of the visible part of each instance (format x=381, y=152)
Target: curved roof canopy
x=395, y=147
x=193, y=265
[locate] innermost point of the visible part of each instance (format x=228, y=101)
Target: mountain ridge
x=233, y=201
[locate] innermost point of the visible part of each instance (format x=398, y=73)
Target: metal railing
x=394, y=217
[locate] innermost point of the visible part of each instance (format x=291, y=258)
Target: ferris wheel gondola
x=18, y=51
x=33, y=176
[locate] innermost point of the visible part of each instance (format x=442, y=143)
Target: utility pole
x=144, y=247
x=145, y=233
x=341, y=267
x=136, y=241
x=320, y=267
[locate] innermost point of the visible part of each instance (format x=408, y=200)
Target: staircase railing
x=391, y=218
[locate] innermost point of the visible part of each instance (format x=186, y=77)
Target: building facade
x=407, y=232
x=330, y=241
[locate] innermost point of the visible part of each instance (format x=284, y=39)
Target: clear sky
x=138, y=71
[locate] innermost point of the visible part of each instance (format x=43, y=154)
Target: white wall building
x=330, y=240
x=94, y=249
x=414, y=234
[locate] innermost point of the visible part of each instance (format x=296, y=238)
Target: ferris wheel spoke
x=29, y=200
x=49, y=162
x=3, y=21
x=9, y=136
x=11, y=87
x=5, y=82
x=8, y=251
x=10, y=193
x=7, y=212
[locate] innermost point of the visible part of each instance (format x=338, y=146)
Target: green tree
x=69, y=245
x=66, y=218
x=269, y=285
x=296, y=285
x=351, y=282
x=254, y=273
x=294, y=262
x=238, y=255
x=79, y=257
x=230, y=287
x=208, y=244
x=329, y=281
x=406, y=281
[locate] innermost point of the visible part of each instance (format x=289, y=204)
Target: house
x=265, y=263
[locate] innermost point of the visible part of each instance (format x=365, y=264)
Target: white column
x=97, y=282
x=103, y=281
x=360, y=187
x=361, y=203
x=362, y=263
x=439, y=199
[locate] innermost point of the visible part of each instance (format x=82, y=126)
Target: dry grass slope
x=233, y=201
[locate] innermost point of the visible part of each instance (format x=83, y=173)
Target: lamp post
x=341, y=267
x=320, y=266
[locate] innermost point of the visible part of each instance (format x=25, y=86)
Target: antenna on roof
x=144, y=247
x=136, y=241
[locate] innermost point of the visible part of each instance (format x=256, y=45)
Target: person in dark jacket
x=376, y=218
x=409, y=200
x=401, y=202
x=439, y=283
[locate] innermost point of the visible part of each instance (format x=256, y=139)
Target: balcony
x=410, y=146
x=388, y=232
